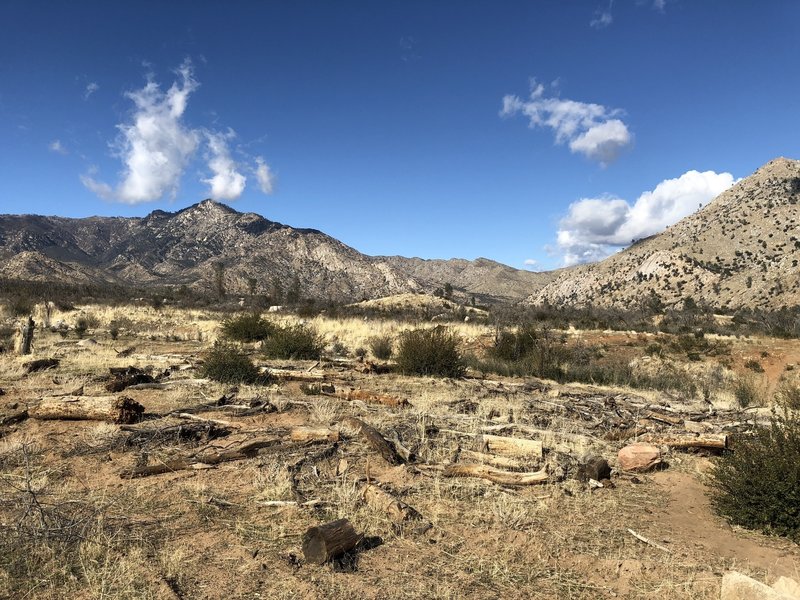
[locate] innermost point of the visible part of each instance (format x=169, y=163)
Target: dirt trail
x=692, y=527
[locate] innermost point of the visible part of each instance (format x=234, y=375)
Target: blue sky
x=543, y=131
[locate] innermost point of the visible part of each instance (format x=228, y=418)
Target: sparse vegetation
x=757, y=484
x=247, y=327
x=292, y=341
x=227, y=364
x=381, y=346
x=430, y=353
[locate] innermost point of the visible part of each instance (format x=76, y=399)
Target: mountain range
x=742, y=249
x=198, y=245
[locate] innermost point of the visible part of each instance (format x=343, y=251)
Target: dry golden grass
x=206, y=533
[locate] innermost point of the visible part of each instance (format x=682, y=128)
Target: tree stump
x=27, y=336
x=324, y=542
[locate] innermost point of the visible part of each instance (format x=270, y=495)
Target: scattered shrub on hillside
x=6, y=339
x=430, y=352
x=746, y=392
x=360, y=352
x=250, y=327
x=754, y=366
x=788, y=396
x=228, y=364
x=381, y=346
x=81, y=325
x=532, y=350
x=292, y=341
x=757, y=484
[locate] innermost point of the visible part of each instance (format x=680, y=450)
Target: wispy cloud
x=264, y=176
x=595, y=228
x=408, y=49
x=227, y=183
x=57, y=147
x=532, y=264
x=602, y=16
x=91, y=88
x=593, y=130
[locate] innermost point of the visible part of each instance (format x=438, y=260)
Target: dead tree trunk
x=90, y=408
x=324, y=542
x=495, y=475
x=374, y=439
x=709, y=441
x=27, y=336
x=397, y=510
x=508, y=446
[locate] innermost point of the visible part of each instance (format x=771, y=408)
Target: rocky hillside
x=193, y=246
x=741, y=249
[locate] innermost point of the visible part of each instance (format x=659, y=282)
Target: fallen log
x=508, y=446
x=325, y=542
x=202, y=459
x=398, y=511
x=40, y=364
x=113, y=409
x=495, y=475
x=292, y=375
x=373, y=398
x=13, y=418
x=552, y=440
x=710, y=441
x=490, y=459
x=374, y=439
x=125, y=377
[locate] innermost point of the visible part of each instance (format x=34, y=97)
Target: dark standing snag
x=324, y=542
x=27, y=336
x=374, y=439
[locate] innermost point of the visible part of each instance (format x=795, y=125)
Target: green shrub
x=746, y=393
x=757, y=484
x=228, y=364
x=430, y=352
x=249, y=327
x=381, y=346
x=754, y=366
x=81, y=325
x=532, y=350
x=292, y=341
x=788, y=396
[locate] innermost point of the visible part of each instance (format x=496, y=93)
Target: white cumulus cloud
x=594, y=228
x=264, y=176
x=227, y=183
x=590, y=129
x=156, y=146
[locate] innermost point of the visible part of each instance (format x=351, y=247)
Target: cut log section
x=373, y=437
x=508, y=446
x=710, y=441
x=495, y=475
x=325, y=542
x=398, y=511
x=113, y=409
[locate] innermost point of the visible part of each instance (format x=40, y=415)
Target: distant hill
x=186, y=248
x=740, y=250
